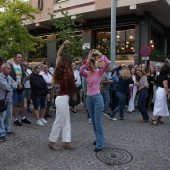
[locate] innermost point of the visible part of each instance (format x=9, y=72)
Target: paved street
x=27, y=150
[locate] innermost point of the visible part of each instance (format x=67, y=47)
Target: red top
x=67, y=86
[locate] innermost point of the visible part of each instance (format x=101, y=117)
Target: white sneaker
x=39, y=123
x=112, y=118
x=43, y=120
x=89, y=121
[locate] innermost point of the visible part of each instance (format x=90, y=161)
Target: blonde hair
x=125, y=74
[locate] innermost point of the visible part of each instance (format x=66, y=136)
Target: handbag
x=3, y=105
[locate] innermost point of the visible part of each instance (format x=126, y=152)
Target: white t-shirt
x=18, y=72
x=48, y=78
x=27, y=83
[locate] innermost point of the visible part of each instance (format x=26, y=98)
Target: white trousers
x=131, y=105
x=62, y=120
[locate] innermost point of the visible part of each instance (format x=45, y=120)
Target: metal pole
x=113, y=33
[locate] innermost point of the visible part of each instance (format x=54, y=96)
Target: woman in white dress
x=160, y=105
x=133, y=91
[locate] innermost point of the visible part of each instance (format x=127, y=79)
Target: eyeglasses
x=38, y=68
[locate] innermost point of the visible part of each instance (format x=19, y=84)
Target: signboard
x=145, y=51
x=145, y=58
x=86, y=46
x=135, y=56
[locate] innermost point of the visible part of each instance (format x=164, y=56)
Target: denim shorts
x=39, y=102
x=17, y=97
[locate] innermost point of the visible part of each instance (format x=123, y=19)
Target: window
x=125, y=40
x=103, y=41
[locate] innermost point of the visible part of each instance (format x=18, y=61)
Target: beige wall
x=48, y=6
x=100, y=4
x=75, y=7
x=122, y=3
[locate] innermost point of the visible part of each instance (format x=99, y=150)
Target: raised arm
x=85, y=64
x=60, y=51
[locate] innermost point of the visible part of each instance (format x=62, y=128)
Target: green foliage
x=14, y=36
x=66, y=30
x=157, y=56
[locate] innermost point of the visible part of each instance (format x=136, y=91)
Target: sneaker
x=28, y=110
x=122, y=118
x=112, y=118
x=10, y=133
x=130, y=112
x=89, y=121
x=39, y=123
x=105, y=114
x=43, y=120
x=25, y=121
x=17, y=123
x=2, y=139
x=48, y=115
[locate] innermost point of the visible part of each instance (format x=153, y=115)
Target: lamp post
x=113, y=32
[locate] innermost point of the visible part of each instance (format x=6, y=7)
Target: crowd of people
x=105, y=92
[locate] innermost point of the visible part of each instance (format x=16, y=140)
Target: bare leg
x=36, y=114
x=15, y=111
x=43, y=110
x=28, y=104
x=22, y=110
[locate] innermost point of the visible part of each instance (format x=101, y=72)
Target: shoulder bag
x=3, y=105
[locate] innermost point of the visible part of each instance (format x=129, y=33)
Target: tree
x=14, y=36
x=66, y=28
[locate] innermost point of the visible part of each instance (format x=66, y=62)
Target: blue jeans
x=143, y=94
x=121, y=105
x=5, y=120
x=106, y=99
x=95, y=107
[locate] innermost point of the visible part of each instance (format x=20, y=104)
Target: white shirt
x=27, y=83
x=48, y=78
x=51, y=70
x=77, y=78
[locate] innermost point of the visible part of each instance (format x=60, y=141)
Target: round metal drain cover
x=114, y=156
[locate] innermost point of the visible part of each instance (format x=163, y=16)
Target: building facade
x=138, y=23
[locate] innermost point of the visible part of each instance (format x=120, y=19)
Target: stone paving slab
x=28, y=149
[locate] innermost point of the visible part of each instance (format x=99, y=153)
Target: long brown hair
x=142, y=71
x=63, y=67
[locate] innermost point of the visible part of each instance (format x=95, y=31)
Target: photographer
x=77, y=78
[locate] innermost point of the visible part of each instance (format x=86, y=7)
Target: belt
x=144, y=89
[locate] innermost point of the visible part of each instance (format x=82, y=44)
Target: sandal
x=160, y=121
x=154, y=122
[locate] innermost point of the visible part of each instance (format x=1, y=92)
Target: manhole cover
x=114, y=156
